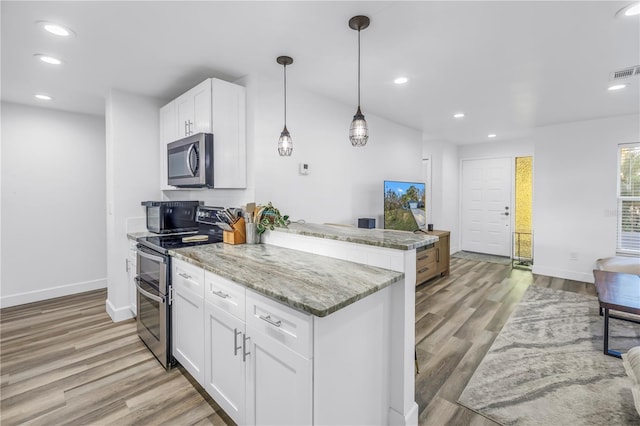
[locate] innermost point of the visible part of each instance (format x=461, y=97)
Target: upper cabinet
x=213, y=106
x=194, y=109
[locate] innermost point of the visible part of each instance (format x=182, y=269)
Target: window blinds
x=628, y=240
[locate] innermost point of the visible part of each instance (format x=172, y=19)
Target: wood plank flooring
x=63, y=361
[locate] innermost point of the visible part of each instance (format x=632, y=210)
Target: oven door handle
x=149, y=295
x=151, y=257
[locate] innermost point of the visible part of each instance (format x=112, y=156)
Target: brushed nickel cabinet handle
x=244, y=348
x=236, y=333
x=220, y=294
x=270, y=321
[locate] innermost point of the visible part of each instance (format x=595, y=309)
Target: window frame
x=625, y=251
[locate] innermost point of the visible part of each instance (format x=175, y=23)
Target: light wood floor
x=63, y=361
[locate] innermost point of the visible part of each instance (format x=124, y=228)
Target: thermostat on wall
x=304, y=168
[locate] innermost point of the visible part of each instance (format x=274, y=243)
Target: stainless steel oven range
x=153, y=282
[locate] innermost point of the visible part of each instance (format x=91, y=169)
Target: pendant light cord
x=358, y=68
x=285, y=95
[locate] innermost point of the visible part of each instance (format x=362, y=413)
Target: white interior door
x=486, y=206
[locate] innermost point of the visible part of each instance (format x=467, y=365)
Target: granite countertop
x=400, y=240
x=315, y=284
x=135, y=235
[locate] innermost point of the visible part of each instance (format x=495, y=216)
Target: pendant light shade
x=358, y=131
x=285, y=143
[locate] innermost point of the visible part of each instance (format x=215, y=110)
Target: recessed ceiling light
x=48, y=59
x=458, y=115
x=42, y=97
x=630, y=10
x=401, y=80
x=491, y=135
x=617, y=87
x=56, y=29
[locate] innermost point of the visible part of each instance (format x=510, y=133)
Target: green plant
x=270, y=218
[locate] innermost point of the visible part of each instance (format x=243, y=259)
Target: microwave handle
x=189, y=167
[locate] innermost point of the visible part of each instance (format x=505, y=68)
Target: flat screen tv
x=404, y=205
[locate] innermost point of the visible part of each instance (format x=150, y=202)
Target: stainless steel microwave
x=190, y=161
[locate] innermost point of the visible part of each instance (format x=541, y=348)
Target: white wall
x=574, y=189
x=344, y=183
x=133, y=170
x=444, y=187
x=53, y=204
x=575, y=178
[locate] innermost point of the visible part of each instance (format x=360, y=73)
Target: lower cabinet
x=188, y=318
x=132, y=265
x=224, y=368
x=279, y=383
x=266, y=363
x=251, y=371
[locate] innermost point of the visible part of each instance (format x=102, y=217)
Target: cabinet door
x=188, y=332
x=168, y=134
x=184, y=114
x=224, y=369
x=229, y=134
x=132, y=260
x=201, y=95
x=278, y=383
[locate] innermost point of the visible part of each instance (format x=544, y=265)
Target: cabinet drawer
x=425, y=257
x=426, y=272
x=292, y=328
x=187, y=277
x=225, y=294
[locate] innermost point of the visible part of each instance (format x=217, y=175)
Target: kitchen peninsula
x=335, y=330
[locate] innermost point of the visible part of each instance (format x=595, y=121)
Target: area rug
x=481, y=257
x=546, y=367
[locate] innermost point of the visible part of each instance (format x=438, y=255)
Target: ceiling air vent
x=626, y=72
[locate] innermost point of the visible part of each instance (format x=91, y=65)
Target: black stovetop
x=164, y=243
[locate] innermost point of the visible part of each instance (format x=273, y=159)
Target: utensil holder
x=252, y=233
x=238, y=235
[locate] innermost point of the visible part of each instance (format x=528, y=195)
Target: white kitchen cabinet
x=193, y=110
x=168, y=134
x=279, y=368
x=279, y=383
x=132, y=265
x=224, y=363
x=213, y=106
x=268, y=363
x=224, y=369
x=188, y=317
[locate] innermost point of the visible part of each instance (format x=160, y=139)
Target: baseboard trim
x=118, y=314
x=561, y=273
x=410, y=418
x=51, y=293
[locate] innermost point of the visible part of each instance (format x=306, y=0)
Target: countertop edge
x=308, y=309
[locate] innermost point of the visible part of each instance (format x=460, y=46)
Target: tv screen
x=404, y=205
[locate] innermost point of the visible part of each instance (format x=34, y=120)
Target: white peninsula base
x=397, y=399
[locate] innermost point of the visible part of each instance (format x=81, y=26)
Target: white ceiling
x=510, y=65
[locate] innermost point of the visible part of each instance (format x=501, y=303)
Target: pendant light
x=285, y=143
x=358, y=132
